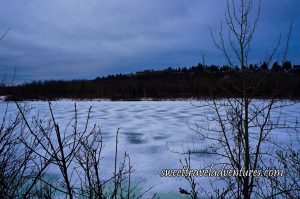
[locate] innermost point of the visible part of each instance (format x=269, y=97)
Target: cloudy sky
x=76, y=39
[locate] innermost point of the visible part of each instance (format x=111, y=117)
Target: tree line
x=198, y=81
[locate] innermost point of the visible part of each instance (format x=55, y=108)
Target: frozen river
x=152, y=132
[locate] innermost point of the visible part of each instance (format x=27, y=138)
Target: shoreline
x=4, y=99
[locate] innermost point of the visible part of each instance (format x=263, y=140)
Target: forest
x=198, y=81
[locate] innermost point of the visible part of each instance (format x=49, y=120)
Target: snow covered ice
x=152, y=132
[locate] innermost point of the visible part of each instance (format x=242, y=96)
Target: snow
x=2, y=98
x=152, y=132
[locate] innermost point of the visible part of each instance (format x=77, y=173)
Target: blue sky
x=83, y=39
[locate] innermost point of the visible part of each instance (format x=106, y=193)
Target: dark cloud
x=66, y=39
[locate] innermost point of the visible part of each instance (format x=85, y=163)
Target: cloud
x=66, y=39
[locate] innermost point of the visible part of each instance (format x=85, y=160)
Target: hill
x=194, y=82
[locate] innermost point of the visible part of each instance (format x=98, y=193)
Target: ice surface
x=152, y=132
